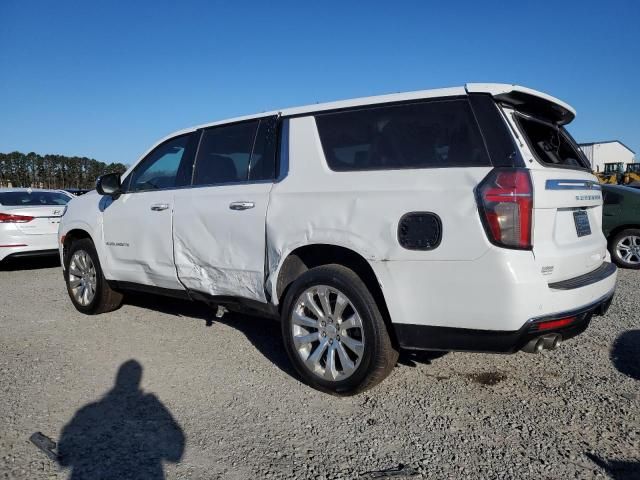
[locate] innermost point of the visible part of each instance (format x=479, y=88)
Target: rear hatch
x=33, y=211
x=42, y=220
x=567, y=209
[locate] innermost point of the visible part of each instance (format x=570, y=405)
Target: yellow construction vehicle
x=632, y=174
x=613, y=173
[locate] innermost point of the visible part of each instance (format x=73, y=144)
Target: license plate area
x=581, y=219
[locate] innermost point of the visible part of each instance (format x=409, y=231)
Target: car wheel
x=86, y=285
x=334, y=333
x=625, y=248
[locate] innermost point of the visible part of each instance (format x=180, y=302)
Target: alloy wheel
x=327, y=333
x=82, y=278
x=628, y=249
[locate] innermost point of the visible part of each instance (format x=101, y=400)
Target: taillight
x=7, y=218
x=505, y=200
x=549, y=324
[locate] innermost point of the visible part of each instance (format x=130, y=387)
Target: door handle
x=158, y=207
x=241, y=205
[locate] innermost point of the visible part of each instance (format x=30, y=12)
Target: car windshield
x=33, y=198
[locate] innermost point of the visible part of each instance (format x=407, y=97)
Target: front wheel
x=625, y=248
x=88, y=289
x=334, y=333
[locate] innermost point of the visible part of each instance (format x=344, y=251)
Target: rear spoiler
x=527, y=100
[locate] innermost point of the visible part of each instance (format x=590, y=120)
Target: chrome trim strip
x=559, y=184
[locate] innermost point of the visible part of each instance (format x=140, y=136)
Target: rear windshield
x=433, y=134
x=35, y=198
x=551, y=145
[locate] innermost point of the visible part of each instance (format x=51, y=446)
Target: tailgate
x=567, y=204
x=567, y=231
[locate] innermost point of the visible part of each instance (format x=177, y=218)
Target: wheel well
x=72, y=236
x=310, y=256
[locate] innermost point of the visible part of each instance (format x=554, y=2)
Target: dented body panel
x=220, y=251
x=361, y=210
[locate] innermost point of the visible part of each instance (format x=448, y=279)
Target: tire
x=362, y=357
x=626, y=241
x=81, y=256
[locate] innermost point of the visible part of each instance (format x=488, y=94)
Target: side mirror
x=109, y=184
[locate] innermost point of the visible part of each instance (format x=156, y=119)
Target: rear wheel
x=88, y=289
x=625, y=248
x=334, y=333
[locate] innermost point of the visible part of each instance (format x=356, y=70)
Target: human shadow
x=617, y=469
x=127, y=434
x=29, y=263
x=625, y=353
x=263, y=332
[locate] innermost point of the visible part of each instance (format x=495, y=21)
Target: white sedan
x=29, y=219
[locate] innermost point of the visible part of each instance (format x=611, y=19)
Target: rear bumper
x=498, y=291
x=32, y=253
x=28, y=245
x=603, y=272
x=423, y=337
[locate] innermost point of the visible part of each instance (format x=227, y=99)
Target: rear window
x=431, y=134
x=34, y=198
x=551, y=145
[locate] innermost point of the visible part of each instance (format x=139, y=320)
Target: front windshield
x=33, y=198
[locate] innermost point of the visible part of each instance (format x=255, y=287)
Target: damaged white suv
x=455, y=219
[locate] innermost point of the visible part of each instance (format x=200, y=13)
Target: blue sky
x=108, y=79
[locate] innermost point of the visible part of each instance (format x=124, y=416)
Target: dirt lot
x=218, y=399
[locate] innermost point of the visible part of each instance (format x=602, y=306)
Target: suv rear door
x=567, y=230
x=219, y=223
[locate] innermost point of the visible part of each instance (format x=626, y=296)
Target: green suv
x=621, y=224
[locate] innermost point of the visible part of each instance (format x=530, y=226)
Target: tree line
x=52, y=171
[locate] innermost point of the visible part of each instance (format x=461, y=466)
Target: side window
x=167, y=166
x=433, y=134
x=263, y=158
x=224, y=154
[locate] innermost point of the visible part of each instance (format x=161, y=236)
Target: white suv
x=456, y=219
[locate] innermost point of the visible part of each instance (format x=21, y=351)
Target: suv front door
x=137, y=225
x=219, y=224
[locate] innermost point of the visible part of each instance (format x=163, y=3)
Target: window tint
x=550, y=144
x=33, y=198
x=419, y=135
x=224, y=154
x=496, y=133
x=160, y=169
x=263, y=158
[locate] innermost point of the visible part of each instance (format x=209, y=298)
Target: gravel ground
x=218, y=399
